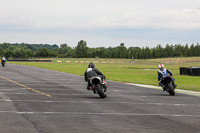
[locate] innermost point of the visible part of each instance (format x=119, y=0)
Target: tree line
x=23, y=50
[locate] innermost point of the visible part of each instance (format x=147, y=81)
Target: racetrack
x=36, y=100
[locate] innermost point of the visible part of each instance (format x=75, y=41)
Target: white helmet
x=161, y=67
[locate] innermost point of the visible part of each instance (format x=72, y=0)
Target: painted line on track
x=194, y=93
x=53, y=94
x=6, y=89
x=99, y=113
x=91, y=102
x=26, y=87
x=89, y=94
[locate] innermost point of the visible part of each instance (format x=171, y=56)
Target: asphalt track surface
x=36, y=100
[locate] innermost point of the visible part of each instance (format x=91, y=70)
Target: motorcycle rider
x=162, y=72
x=91, y=72
x=3, y=59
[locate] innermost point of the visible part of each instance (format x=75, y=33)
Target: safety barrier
x=31, y=60
x=84, y=61
x=191, y=71
x=66, y=61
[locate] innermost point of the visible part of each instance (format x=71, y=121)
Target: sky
x=101, y=23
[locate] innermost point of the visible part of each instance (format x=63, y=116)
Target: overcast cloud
x=100, y=22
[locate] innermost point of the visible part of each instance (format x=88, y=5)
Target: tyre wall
x=192, y=71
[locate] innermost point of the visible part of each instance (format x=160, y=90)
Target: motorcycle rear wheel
x=100, y=91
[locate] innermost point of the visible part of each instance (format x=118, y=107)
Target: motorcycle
x=99, y=85
x=3, y=63
x=169, y=85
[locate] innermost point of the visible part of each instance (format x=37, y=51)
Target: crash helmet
x=91, y=65
x=161, y=67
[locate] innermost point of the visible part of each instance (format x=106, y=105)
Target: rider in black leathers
x=3, y=59
x=91, y=72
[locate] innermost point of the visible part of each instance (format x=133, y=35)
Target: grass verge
x=140, y=72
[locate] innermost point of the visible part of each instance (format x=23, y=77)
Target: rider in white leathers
x=163, y=72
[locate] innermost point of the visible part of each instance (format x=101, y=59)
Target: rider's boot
x=174, y=85
x=94, y=91
x=88, y=87
x=163, y=87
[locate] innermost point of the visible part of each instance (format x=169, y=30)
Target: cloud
x=46, y=14
x=173, y=19
x=101, y=20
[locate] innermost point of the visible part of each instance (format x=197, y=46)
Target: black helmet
x=91, y=65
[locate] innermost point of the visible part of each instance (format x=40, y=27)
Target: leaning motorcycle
x=3, y=63
x=169, y=85
x=99, y=85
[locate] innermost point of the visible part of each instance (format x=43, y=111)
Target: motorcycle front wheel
x=171, y=89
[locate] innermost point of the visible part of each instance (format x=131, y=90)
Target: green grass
x=141, y=72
